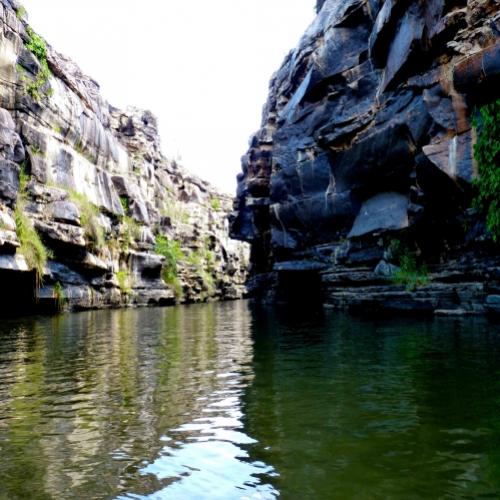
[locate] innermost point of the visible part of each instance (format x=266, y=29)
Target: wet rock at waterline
x=118, y=222
x=364, y=160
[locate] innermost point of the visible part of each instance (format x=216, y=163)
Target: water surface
x=225, y=402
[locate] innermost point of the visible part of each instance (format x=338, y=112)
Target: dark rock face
x=366, y=139
x=99, y=192
x=383, y=212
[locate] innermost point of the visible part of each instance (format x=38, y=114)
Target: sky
x=202, y=67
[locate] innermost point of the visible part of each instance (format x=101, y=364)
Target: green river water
x=227, y=401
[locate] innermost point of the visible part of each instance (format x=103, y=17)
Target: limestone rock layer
x=366, y=140
x=93, y=183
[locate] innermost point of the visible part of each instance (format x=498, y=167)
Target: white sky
x=201, y=66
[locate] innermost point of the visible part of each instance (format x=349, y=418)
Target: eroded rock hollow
x=117, y=222
x=365, y=158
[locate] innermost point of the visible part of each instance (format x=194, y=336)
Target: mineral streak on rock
x=91, y=165
x=366, y=139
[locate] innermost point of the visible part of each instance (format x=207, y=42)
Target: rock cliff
x=91, y=212
x=361, y=174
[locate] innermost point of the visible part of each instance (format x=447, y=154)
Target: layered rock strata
x=365, y=158
x=115, y=217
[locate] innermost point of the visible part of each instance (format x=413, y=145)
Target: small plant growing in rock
x=125, y=204
x=21, y=12
x=208, y=282
x=202, y=261
x=131, y=232
x=195, y=259
x=59, y=296
x=172, y=251
x=215, y=204
x=487, y=155
x=78, y=147
x=36, y=150
x=175, y=212
x=37, y=46
x=124, y=281
x=410, y=273
x=89, y=220
x=31, y=246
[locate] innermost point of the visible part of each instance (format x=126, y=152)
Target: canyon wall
x=92, y=214
x=364, y=163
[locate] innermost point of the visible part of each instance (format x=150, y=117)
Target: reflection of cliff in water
x=344, y=408
x=88, y=399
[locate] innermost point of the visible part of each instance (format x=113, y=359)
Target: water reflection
x=137, y=402
x=227, y=402
x=345, y=408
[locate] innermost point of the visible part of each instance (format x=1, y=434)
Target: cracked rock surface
x=89, y=165
x=366, y=140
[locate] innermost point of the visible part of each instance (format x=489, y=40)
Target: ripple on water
x=225, y=402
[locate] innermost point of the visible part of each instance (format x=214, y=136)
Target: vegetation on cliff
x=173, y=253
x=31, y=246
x=37, y=46
x=89, y=220
x=487, y=155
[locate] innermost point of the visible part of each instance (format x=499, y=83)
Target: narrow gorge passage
x=364, y=232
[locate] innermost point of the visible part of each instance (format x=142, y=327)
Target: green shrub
x=487, y=155
x=23, y=183
x=37, y=46
x=21, y=12
x=59, y=296
x=31, y=246
x=215, y=204
x=208, y=282
x=89, y=220
x=176, y=284
x=210, y=257
x=125, y=204
x=132, y=232
x=410, y=274
x=202, y=260
x=172, y=251
x=124, y=281
x=195, y=259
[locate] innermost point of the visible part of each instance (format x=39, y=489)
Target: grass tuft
x=31, y=246
x=171, y=250
x=89, y=220
x=59, y=296
x=410, y=273
x=124, y=281
x=215, y=204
